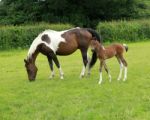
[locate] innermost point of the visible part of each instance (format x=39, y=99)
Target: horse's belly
x=66, y=48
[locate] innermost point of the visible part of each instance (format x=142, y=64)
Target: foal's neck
x=100, y=48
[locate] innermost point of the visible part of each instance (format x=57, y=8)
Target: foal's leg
x=100, y=75
x=51, y=66
x=121, y=68
x=58, y=66
x=106, y=69
x=125, y=68
x=85, y=61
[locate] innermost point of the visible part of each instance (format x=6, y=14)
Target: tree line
x=86, y=13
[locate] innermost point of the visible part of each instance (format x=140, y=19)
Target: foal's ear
x=94, y=38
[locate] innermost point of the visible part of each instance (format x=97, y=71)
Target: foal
x=116, y=50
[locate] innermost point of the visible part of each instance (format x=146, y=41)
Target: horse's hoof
x=88, y=74
x=51, y=77
x=81, y=76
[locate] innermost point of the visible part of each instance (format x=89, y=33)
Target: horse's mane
x=95, y=34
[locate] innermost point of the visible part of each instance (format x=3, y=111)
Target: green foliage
x=124, y=30
x=22, y=36
x=74, y=98
x=143, y=8
x=78, y=12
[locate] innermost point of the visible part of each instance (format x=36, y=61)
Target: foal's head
x=94, y=45
x=31, y=69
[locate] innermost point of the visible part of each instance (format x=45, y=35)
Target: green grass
x=74, y=98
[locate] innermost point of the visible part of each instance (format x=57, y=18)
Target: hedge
x=22, y=36
x=131, y=31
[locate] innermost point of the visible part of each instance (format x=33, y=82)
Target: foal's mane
x=99, y=39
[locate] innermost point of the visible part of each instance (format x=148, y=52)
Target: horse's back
x=63, y=42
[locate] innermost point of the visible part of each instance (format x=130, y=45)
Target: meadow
x=74, y=98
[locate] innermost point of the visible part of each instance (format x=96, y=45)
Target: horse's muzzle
x=31, y=79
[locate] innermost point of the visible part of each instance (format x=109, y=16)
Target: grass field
x=74, y=98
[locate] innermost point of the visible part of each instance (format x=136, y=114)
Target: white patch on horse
x=55, y=37
x=61, y=73
x=82, y=72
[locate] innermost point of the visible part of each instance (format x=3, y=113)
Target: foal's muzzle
x=92, y=50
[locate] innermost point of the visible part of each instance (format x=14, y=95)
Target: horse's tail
x=126, y=47
x=99, y=39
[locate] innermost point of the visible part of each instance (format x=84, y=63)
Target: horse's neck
x=32, y=57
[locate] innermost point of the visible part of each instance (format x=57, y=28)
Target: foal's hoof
x=124, y=79
x=110, y=79
x=51, y=77
x=99, y=83
x=61, y=77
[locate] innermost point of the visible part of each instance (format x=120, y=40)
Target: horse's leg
x=106, y=69
x=121, y=68
x=125, y=68
x=51, y=66
x=58, y=66
x=100, y=75
x=88, y=65
x=85, y=61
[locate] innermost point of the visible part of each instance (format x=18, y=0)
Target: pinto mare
x=52, y=43
x=103, y=53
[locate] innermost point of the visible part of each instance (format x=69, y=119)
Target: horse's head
x=31, y=69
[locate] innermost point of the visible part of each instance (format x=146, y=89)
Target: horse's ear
x=25, y=61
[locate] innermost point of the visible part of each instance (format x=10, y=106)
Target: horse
x=52, y=43
x=108, y=52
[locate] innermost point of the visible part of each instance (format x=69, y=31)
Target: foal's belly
x=109, y=54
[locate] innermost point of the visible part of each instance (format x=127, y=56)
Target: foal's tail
x=126, y=47
x=99, y=39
